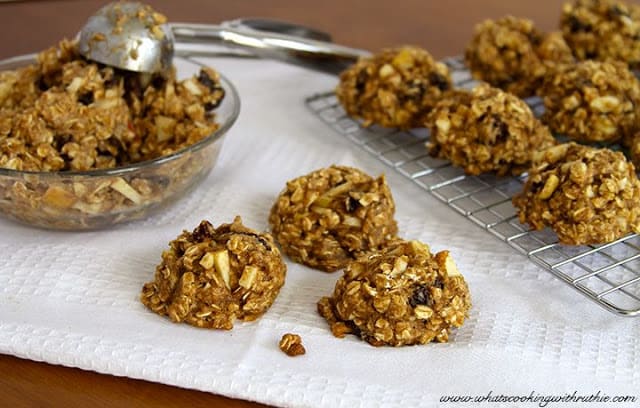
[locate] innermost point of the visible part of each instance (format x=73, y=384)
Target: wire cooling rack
x=608, y=274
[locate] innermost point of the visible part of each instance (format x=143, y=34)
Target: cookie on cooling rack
x=211, y=276
x=586, y=195
x=331, y=216
x=486, y=130
x=394, y=88
x=511, y=54
x=592, y=101
x=603, y=30
x=402, y=295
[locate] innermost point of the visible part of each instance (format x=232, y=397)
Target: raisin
x=502, y=129
x=264, y=243
x=158, y=81
x=212, y=105
x=41, y=84
x=361, y=80
x=60, y=140
x=575, y=25
x=439, y=81
x=414, y=93
x=591, y=55
x=203, y=231
x=86, y=98
x=351, y=204
x=420, y=296
x=206, y=80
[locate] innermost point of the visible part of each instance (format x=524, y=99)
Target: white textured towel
x=72, y=298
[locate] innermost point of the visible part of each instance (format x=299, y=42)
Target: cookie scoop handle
x=320, y=55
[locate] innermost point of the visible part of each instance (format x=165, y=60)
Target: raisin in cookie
x=212, y=276
x=402, y=295
x=333, y=215
x=586, y=195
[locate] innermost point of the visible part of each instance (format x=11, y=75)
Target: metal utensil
x=128, y=36
x=277, y=27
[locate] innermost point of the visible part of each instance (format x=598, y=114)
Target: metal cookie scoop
x=132, y=37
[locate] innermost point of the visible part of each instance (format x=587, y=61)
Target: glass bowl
x=83, y=200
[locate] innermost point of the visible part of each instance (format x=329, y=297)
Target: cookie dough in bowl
x=394, y=88
x=210, y=277
x=331, y=216
x=585, y=194
x=86, y=146
x=401, y=295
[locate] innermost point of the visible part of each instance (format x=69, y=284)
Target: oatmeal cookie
x=212, y=276
x=511, y=54
x=333, y=215
x=394, y=88
x=603, y=30
x=586, y=195
x=402, y=295
x=67, y=113
x=592, y=101
x=486, y=130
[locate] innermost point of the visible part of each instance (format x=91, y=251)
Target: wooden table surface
x=442, y=27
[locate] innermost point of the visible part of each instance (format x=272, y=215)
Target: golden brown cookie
x=331, y=216
x=592, y=101
x=603, y=30
x=511, y=54
x=402, y=295
x=486, y=130
x=213, y=276
x=394, y=88
x=586, y=195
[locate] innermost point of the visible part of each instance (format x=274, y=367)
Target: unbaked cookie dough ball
x=394, y=88
x=586, y=195
x=333, y=215
x=592, y=101
x=212, y=276
x=402, y=295
x=486, y=130
x=603, y=30
x=511, y=54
